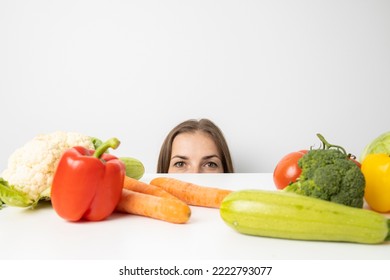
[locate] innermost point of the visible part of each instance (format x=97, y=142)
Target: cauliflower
x=30, y=171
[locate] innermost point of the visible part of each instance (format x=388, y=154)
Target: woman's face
x=194, y=152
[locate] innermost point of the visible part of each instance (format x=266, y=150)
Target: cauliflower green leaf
x=12, y=196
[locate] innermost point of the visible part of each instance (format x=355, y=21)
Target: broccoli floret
x=329, y=174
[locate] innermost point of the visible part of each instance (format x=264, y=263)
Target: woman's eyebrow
x=179, y=157
x=211, y=156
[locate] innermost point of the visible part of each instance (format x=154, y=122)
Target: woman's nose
x=194, y=169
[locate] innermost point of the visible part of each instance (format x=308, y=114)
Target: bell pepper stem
x=112, y=143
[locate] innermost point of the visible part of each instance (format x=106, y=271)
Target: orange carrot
x=165, y=209
x=139, y=186
x=190, y=193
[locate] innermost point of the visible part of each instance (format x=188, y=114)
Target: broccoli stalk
x=328, y=173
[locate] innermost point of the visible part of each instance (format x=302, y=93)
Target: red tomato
x=287, y=170
x=353, y=158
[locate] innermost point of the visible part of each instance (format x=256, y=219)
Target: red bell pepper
x=88, y=184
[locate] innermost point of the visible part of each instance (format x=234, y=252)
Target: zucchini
x=134, y=167
x=292, y=216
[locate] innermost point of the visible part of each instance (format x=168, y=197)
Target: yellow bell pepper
x=376, y=170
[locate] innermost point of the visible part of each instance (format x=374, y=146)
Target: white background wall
x=271, y=74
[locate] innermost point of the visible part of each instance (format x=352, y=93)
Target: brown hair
x=192, y=125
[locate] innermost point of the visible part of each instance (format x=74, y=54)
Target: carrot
x=165, y=209
x=139, y=186
x=191, y=193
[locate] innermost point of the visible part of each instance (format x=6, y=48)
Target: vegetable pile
x=28, y=178
x=30, y=171
x=84, y=182
x=319, y=196
x=328, y=173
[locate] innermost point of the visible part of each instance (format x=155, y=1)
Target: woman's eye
x=179, y=164
x=212, y=165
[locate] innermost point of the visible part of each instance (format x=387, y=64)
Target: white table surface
x=40, y=234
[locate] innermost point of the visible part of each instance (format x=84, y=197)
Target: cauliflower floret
x=31, y=167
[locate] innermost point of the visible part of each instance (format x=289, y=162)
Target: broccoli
x=328, y=173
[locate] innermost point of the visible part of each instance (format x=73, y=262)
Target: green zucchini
x=134, y=167
x=292, y=216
